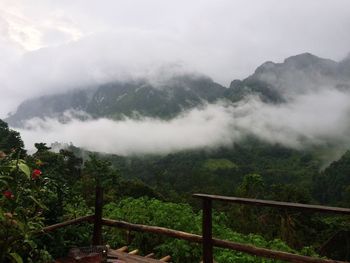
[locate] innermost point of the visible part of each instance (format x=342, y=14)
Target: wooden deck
x=129, y=258
x=120, y=255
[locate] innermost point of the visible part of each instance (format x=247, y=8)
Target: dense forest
x=47, y=187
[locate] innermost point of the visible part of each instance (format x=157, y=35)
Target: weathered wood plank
x=263, y=252
x=123, y=249
x=278, y=204
x=152, y=229
x=127, y=258
x=165, y=259
x=134, y=252
x=67, y=223
x=150, y=255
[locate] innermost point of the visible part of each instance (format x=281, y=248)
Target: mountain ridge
x=271, y=82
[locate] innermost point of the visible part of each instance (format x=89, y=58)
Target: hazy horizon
x=50, y=46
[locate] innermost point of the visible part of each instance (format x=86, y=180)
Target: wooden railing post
x=97, y=236
x=207, y=231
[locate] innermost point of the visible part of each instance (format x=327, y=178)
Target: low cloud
x=198, y=128
x=311, y=120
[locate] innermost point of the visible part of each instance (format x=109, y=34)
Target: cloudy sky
x=50, y=46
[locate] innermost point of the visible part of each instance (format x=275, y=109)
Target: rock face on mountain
x=300, y=74
x=272, y=82
x=132, y=98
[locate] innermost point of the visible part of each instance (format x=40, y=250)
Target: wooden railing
x=207, y=241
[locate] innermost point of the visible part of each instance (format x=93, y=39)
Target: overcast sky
x=49, y=46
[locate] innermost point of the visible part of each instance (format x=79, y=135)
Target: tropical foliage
x=47, y=187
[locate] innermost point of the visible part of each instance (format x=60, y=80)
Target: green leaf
x=16, y=257
x=12, y=164
x=24, y=168
x=5, y=177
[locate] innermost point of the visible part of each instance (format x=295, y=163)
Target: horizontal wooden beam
x=67, y=223
x=152, y=229
x=267, y=253
x=277, y=204
x=249, y=249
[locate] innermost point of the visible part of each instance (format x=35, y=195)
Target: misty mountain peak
x=164, y=98
x=304, y=61
x=308, y=60
x=296, y=75
x=266, y=66
x=167, y=95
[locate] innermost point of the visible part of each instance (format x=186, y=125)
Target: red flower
x=36, y=174
x=8, y=194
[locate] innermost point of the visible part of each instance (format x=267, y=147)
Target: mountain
x=117, y=99
x=272, y=82
x=300, y=74
x=50, y=106
x=164, y=100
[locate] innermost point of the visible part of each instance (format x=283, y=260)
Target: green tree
x=252, y=186
x=10, y=140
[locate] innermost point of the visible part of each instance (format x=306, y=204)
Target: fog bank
x=310, y=120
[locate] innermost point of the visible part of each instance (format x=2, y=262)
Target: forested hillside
x=47, y=187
